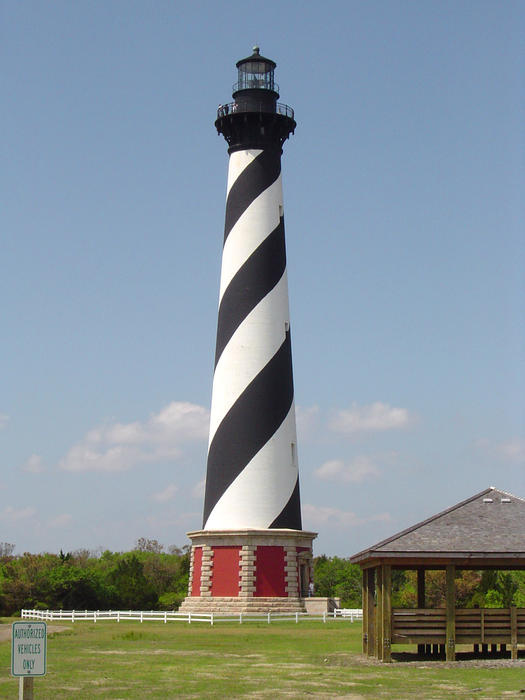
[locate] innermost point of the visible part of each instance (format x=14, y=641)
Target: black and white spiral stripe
x=252, y=474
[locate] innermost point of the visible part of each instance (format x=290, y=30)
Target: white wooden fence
x=173, y=616
x=352, y=613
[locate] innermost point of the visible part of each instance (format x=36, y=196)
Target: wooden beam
x=25, y=688
x=420, y=599
x=513, y=634
x=420, y=587
x=387, y=613
x=462, y=560
x=364, y=604
x=379, y=613
x=371, y=627
x=451, y=613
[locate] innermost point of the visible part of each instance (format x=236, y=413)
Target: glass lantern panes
x=256, y=75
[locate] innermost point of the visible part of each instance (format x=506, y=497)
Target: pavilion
x=486, y=531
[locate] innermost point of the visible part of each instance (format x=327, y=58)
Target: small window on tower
x=286, y=326
x=281, y=212
x=294, y=454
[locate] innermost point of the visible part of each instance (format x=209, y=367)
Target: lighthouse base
x=235, y=571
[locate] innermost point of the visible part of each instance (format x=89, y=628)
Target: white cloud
x=513, y=450
x=33, y=465
x=198, y=490
x=355, y=471
x=166, y=494
x=178, y=421
x=61, y=520
x=119, y=458
x=307, y=420
x=510, y=450
x=120, y=446
x=326, y=516
x=4, y=419
x=375, y=417
x=11, y=514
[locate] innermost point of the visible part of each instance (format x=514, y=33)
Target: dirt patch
x=462, y=661
x=410, y=660
x=5, y=631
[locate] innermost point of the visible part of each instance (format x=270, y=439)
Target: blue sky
x=405, y=223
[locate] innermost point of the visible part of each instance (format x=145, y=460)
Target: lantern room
x=255, y=73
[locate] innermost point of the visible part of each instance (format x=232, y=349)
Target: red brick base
x=249, y=570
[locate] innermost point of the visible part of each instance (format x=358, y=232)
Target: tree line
x=151, y=577
x=147, y=578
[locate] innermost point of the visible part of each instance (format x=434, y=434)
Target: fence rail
x=472, y=625
x=352, y=613
x=174, y=616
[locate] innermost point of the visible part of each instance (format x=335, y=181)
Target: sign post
x=28, y=654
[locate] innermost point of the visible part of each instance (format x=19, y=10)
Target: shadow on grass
x=495, y=656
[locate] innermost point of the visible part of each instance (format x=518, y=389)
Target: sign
x=28, y=649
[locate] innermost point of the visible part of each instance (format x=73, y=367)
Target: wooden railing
x=473, y=626
x=416, y=626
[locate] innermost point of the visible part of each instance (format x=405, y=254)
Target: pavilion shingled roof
x=490, y=522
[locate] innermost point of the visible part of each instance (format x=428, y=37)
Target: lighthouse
x=252, y=554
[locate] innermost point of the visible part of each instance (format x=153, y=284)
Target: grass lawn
x=153, y=660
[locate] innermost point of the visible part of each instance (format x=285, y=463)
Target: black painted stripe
x=252, y=282
x=249, y=424
x=290, y=516
x=254, y=179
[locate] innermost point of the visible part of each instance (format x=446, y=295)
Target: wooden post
x=364, y=595
x=420, y=587
x=420, y=599
x=513, y=634
x=371, y=629
x=386, y=625
x=25, y=688
x=451, y=613
x=379, y=613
